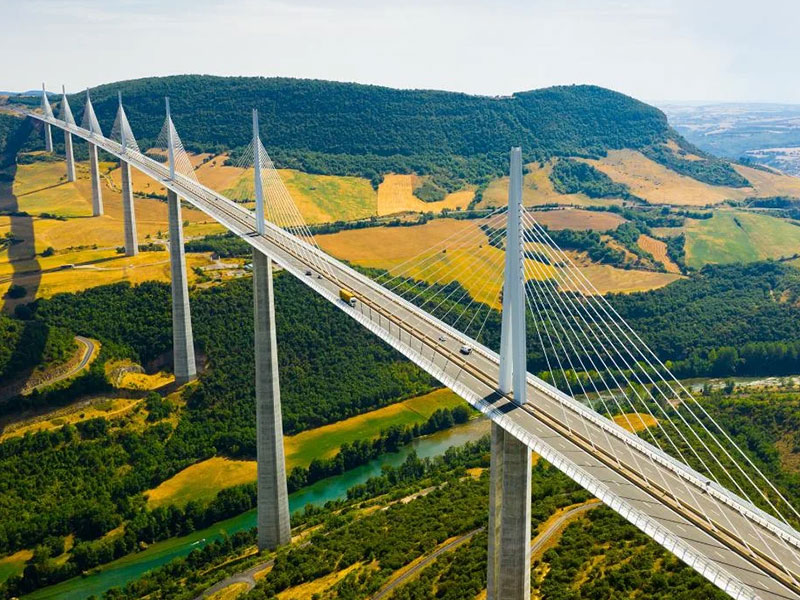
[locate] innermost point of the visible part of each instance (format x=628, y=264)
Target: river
x=133, y=566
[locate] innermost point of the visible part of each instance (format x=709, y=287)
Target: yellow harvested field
x=106, y=408
x=217, y=176
x=141, y=183
x=259, y=575
x=75, y=200
x=202, y=228
x=85, y=246
x=575, y=218
x=312, y=588
x=230, y=592
x=201, y=481
x=659, y=251
x=659, y=185
x=44, y=277
x=42, y=187
x=468, y=261
x=677, y=151
x=611, y=279
x=635, y=422
x=143, y=381
x=469, y=258
x=537, y=189
x=396, y=195
x=770, y=184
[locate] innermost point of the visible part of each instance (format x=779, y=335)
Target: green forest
x=352, y=129
x=88, y=478
x=574, y=176
x=25, y=345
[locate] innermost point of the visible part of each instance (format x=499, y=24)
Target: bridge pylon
x=66, y=116
x=128, y=212
x=90, y=120
x=273, y=498
x=509, y=558
x=48, y=112
x=182, y=337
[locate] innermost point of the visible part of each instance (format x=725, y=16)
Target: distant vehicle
x=347, y=296
x=319, y=276
x=442, y=339
x=465, y=350
x=308, y=273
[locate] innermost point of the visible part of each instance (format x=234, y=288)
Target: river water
x=132, y=567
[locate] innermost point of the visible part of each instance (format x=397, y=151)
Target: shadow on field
x=30, y=347
x=22, y=229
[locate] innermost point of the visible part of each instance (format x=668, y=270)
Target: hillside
x=346, y=118
x=353, y=129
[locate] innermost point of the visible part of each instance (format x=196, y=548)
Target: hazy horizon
x=709, y=52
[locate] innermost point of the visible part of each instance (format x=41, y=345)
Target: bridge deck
x=604, y=460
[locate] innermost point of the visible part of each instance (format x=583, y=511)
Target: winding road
x=89, y=347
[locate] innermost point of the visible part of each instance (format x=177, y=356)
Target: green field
x=732, y=236
x=325, y=441
x=325, y=198
x=14, y=564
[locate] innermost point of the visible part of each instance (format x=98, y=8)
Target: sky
x=654, y=50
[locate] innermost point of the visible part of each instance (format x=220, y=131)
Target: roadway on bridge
x=688, y=521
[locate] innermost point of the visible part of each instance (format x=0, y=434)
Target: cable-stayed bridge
x=672, y=471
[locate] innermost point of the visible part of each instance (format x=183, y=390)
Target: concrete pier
x=128, y=213
x=182, y=338
x=495, y=512
x=70, y=156
x=48, y=137
x=273, y=499
x=509, y=518
x=509, y=548
x=97, y=190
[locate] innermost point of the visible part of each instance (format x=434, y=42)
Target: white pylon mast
x=257, y=175
x=122, y=139
x=170, y=149
x=513, y=353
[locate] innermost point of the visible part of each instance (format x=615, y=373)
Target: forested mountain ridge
x=339, y=128
x=348, y=118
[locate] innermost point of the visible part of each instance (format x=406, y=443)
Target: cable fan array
x=279, y=206
x=458, y=279
x=122, y=133
x=593, y=354
x=583, y=347
x=169, y=135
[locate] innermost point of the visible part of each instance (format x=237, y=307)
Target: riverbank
x=133, y=566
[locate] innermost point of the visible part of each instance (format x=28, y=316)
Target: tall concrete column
x=70, y=156
x=495, y=511
x=182, y=338
x=273, y=499
x=509, y=556
x=48, y=137
x=128, y=214
x=97, y=190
